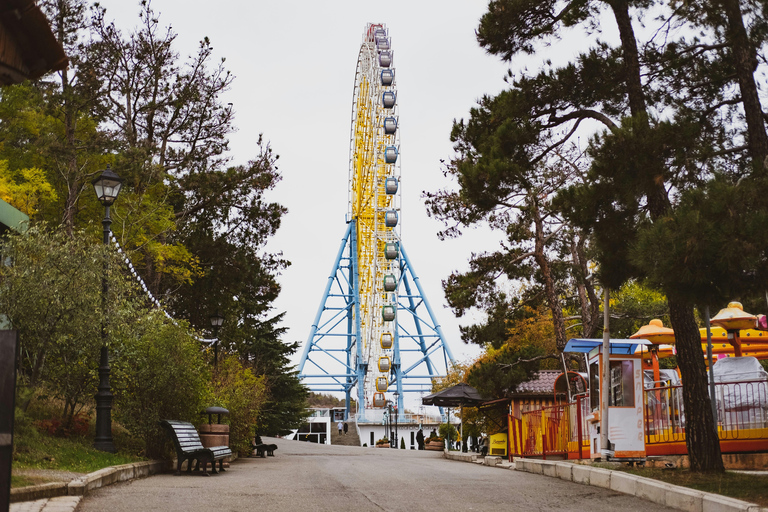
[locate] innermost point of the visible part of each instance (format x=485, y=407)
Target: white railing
x=377, y=416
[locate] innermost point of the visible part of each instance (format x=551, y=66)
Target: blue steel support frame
x=325, y=332
x=419, y=345
x=428, y=337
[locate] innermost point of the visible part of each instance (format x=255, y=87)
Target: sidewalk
x=65, y=496
x=60, y=504
x=680, y=498
x=662, y=493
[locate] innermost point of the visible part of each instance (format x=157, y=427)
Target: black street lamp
x=216, y=321
x=107, y=187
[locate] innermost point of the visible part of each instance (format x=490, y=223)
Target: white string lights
x=144, y=287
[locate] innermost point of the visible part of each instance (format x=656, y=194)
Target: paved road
x=309, y=477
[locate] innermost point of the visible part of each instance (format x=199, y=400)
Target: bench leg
x=178, y=467
x=221, y=464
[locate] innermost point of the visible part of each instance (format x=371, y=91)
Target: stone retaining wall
x=87, y=483
x=680, y=498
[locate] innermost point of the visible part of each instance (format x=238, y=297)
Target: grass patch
x=73, y=454
x=751, y=488
x=35, y=446
x=22, y=481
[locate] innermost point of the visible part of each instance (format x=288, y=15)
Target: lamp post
x=216, y=321
x=397, y=402
x=107, y=187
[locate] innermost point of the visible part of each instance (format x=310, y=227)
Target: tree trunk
x=71, y=178
x=70, y=201
x=700, y=432
x=745, y=61
x=630, y=54
x=658, y=201
x=549, y=282
x=701, y=438
x=588, y=301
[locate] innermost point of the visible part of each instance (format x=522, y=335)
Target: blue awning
x=617, y=346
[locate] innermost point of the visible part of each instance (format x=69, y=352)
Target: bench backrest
x=185, y=435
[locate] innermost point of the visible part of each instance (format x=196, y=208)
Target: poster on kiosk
x=626, y=434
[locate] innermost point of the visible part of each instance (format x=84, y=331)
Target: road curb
x=463, y=457
x=85, y=484
x=38, y=492
x=673, y=496
x=488, y=460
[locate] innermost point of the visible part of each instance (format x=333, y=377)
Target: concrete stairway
x=351, y=439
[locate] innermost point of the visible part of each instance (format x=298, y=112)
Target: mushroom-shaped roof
x=656, y=333
x=734, y=318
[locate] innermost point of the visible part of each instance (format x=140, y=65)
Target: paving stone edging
x=673, y=496
x=487, y=460
x=85, y=484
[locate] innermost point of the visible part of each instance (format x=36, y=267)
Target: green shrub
x=243, y=394
x=52, y=295
x=448, y=431
x=159, y=375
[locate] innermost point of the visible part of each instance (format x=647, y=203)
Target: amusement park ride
x=374, y=331
x=645, y=403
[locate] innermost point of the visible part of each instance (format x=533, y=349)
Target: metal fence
x=561, y=430
x=555, y=431
x=742, y=412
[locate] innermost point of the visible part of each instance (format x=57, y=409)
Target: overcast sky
x=294, y=63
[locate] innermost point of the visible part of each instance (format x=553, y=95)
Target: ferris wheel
x=359, y=339
x=374, y=174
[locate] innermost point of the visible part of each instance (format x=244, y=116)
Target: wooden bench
x=188, y=447
x=262, y=449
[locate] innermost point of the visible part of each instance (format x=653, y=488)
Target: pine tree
x=642, y=171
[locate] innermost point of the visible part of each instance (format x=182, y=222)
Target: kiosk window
x=621, y=388
x=622, y=391
x=594, y=387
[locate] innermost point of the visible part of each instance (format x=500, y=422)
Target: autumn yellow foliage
x=28, y=191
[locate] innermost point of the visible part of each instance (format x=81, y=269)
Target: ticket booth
x=625, y=397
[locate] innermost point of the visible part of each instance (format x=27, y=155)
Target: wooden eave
x=28, y=47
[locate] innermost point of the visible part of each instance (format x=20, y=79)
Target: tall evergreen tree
x=642, y=167
x=194, y=224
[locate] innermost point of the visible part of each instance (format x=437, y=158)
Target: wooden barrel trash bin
x=215, y=434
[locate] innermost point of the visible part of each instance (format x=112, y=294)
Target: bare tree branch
x=520, y=360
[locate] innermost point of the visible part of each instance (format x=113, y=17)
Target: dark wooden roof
x=28, y=48
x=542, y=384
